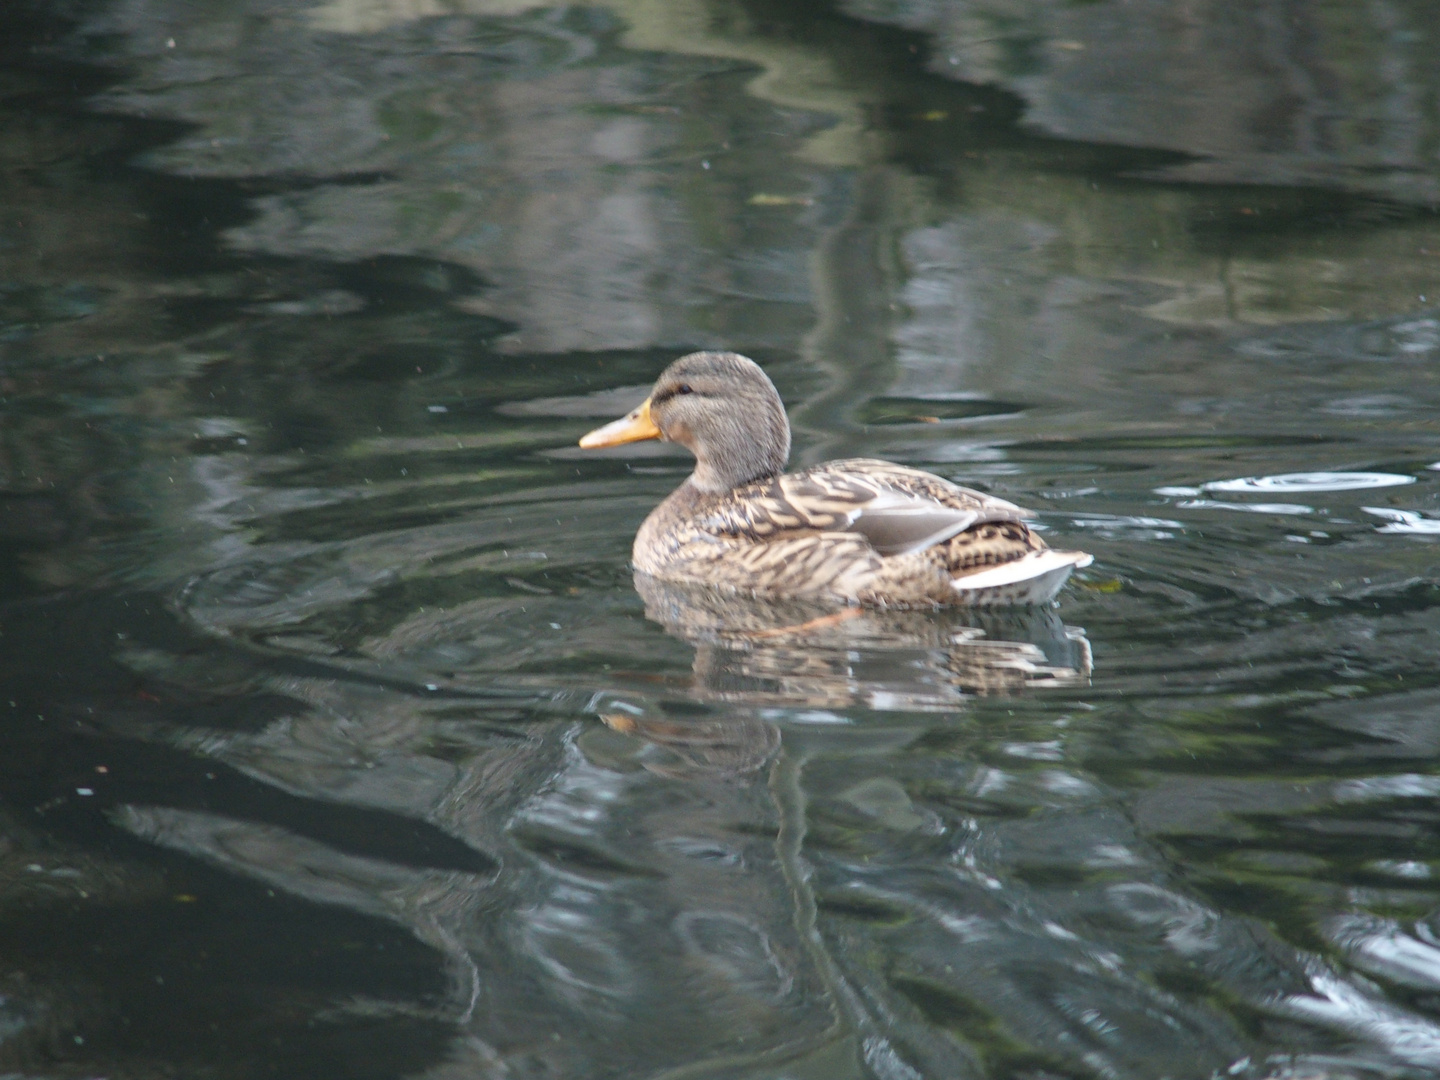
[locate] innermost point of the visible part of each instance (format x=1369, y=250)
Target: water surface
x=341, y=741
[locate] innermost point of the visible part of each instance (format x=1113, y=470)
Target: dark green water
x=336, y=739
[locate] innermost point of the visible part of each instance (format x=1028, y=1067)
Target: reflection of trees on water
x=559, y=174
x=1333, y=94
x=565, y=171
x=604, y=200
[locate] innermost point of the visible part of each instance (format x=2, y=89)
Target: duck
x=858, y=531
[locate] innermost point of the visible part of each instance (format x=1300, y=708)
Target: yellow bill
x=634, y=427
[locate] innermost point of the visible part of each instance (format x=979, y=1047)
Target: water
x=341, y=742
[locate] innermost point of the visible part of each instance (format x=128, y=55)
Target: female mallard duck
x=857, y=530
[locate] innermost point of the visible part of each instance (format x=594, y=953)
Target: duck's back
x=857, y=529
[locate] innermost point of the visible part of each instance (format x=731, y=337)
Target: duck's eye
x=684, y=388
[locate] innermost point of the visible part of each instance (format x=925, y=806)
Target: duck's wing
x=898, y=510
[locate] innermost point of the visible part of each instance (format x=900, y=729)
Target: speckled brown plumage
x=860, y=530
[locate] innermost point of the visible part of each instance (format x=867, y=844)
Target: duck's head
x=722, y=408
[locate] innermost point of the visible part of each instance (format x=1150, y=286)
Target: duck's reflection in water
x=810, y=655
x=732, y=745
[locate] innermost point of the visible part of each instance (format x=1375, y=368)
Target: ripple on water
x=1309, y=482
x=1292, y=483
x=1402, y=339
x=1127, y=526
x=1404, y=521
x=1251, y=508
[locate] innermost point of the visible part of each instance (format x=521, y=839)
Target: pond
x=339, y=740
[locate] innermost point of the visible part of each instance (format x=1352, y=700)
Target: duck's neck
x=714, y=478
x=742, y=457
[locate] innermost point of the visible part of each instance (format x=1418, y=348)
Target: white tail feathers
x=1033, y=579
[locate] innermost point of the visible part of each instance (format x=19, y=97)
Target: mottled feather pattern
x=828, y=496
x=791, y=535
x=989, y=544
